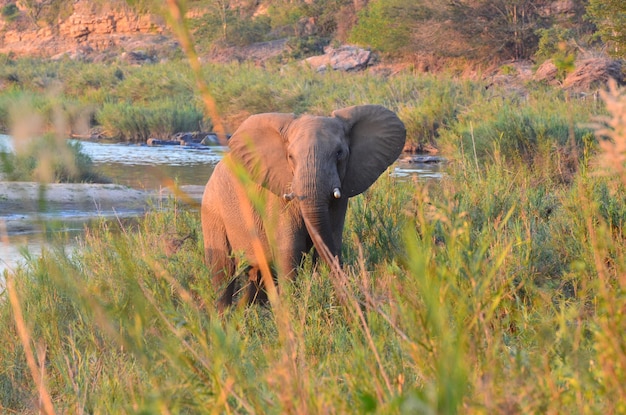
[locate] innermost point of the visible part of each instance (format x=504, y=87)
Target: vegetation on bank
x=133, y=103
x=497, y=289
x=47, y=159
x=478, y=30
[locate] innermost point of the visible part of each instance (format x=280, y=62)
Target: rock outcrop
x=87, y=31
x=588, y=73
x=343, y=58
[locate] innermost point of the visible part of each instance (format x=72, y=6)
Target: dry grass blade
x=281, y=313
x=177, y=21
x=45, y=401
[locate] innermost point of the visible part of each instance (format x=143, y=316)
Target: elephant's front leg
x=292, y=242
x=217, y=257
x=222, y=268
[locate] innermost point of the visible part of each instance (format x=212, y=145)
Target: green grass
x=473, y=294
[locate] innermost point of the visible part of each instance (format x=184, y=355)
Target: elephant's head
x=319, y=161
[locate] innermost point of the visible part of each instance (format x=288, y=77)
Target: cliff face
x=86, y=31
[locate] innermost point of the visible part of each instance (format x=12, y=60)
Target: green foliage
x=145, y=6
x=134, y=103
x=503, y=28
x=222, y=24
x=162, y=119
x=48, y=159
x=468, y=293
x=554, y=43
x=243, y=32
x=386, y=25
x=609, y=16
x=505, y=275
x=302, y=47
x=47, y=12
x=286, y=14
x=515, y=130
x=10, y=12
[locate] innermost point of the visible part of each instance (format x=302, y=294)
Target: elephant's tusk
x=337, y=193
x=289, y=196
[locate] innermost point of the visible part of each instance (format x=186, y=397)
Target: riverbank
x=22, y=203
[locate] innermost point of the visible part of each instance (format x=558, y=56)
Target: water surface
x=144, y=167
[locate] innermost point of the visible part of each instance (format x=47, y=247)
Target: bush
x=387, y=25
x=302, y=47
x=517, y=129
x=10, y=12
x=49, y=159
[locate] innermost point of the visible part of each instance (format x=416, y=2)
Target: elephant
x=301, y=172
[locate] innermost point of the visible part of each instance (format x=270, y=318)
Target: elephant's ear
x=258, y=144
x=376, y=137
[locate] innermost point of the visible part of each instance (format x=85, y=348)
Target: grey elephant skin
x=285, y=179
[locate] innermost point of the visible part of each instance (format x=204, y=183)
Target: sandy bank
x=22, y=202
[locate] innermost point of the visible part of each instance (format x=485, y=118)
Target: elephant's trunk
x=317, y=185
x=317, y=222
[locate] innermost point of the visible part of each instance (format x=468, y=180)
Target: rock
x=344, y=58
x=593, y=73
x=153, y=142
x=99, y=27
x=422, y=159
x=547, y=72
x=136, y=57
x=210, y=140
x=79, y=53
x=589, y=73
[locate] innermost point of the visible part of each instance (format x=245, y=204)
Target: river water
x=145, y=168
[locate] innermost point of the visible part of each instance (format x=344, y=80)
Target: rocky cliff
x=88, y=31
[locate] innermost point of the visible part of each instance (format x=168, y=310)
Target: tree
x=10, y=12
x=609, y=16
x=47, y=11
x=387, y=25
x=506, y=29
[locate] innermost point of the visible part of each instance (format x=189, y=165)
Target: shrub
x=387, y=25
x=49, y=159
x=517, y=128
x=10, y=12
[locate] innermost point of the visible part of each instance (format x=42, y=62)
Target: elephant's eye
x=339, y=154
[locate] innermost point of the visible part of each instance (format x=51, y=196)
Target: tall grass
x=484, y=294
x=130, y=122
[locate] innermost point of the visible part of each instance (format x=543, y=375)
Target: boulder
x=589, y=73
x=547, y=72
x=136, y=57
x=592, y=73
x=344, y=58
